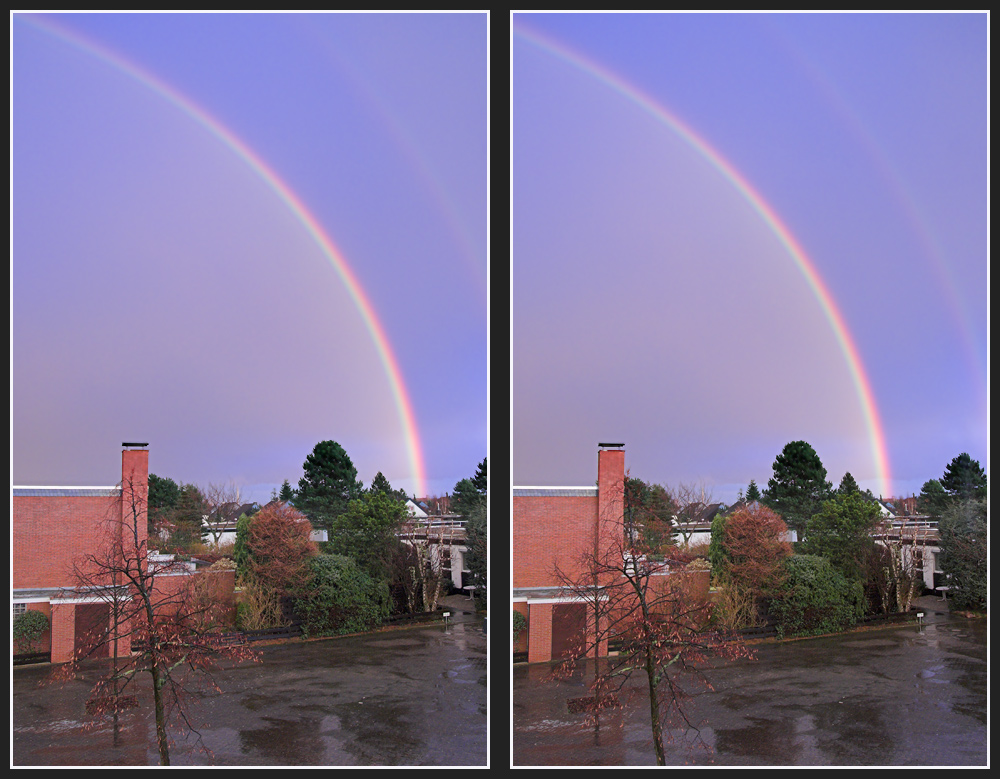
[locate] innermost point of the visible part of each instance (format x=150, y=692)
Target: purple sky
x=164, y=292
x=654, y=305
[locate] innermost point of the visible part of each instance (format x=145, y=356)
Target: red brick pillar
x=63, y=627
x=539, y=632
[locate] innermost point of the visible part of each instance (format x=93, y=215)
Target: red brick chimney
x=135, y=484
x=610, y=492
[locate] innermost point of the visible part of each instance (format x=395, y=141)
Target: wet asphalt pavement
x=893, y=696
x=409, y=696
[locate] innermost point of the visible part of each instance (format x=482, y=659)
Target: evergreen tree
x=479, y=481
x=799, y=486
x=933, y=500
x=753, y=492
x=366, y=532
x=963, y=535
x=381, y=484
x=848, y=485
x=470, y=500
x=842, y=533
x=328, y=484
x=476, y=536
x=286, y=493
x=964, y=479
x=466, y=498
x=185, y=519
x=164, y=494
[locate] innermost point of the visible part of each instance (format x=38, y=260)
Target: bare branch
x=168, y=631
x=648, y=611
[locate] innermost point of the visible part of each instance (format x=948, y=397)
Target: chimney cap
x=611, y=446
x=126, y=444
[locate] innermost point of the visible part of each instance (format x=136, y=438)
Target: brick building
x=572, y=548
x=53, y=529
x=554, y=530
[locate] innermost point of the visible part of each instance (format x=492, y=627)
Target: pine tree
x=848, y=485
x=753, y=492
x=466, y=498
x=286, y=493
x=480, y=481
x=964, y=479
x=381, y=484
x=933, y=499
x=799, y=486
x=328, y=484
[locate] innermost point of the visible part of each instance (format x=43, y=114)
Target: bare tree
x=222, y=503
x=168, y=632
x=649, y=611
x=420, y=561
x=693, y=502
x=897, y=558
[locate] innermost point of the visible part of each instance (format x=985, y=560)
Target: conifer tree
x=381, y=484
x=964, y=479
x=799, y=486
x=848, y=485
x=328, y=484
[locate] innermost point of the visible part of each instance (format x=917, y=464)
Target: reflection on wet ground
x=908, y=695
x=415, y=696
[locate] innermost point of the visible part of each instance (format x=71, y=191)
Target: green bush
x=29, y=626
x=342, y=598
x=817, y=598
x=520, y=623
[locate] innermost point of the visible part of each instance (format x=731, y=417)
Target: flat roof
x=72, y=492
x=573, y=492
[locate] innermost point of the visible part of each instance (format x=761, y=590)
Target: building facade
x=54, y=530
x=556, y=530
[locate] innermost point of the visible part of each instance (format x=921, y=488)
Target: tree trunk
x=161, y=720
x=654, y=709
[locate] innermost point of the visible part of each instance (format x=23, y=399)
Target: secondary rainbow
x=386, y=356
x=866, y=398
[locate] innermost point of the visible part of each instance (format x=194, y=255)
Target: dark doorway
x=91, y=630
x=569, y=626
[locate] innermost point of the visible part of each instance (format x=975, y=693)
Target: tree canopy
x=366, y=531
x=964, y=479
x=841, y=532
x=799, y=486
x=479, y=481
x=381, y=484
x=933, y=499
x=848, y=485
x=278, y=548
x=470, y=500
x=964, y=552
x=465, y=498
x=649, y=512
x=329, y=482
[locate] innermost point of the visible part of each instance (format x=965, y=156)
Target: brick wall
x=550, y=531
x=52, y=533
x=49, y=532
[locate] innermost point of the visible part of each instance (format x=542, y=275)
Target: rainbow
x=326, y=245
x=862, y=386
